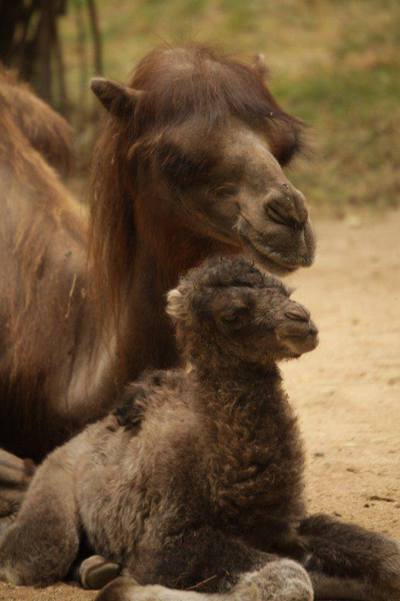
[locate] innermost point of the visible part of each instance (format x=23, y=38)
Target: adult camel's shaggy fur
x=188, y=165
x=196, y=482
x=42, y=261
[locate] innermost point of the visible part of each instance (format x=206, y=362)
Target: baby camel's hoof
x=121, y=589
x=279, y=580
x=291, y=581
x=96, y=571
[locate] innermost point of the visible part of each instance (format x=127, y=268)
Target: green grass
x=334, y=63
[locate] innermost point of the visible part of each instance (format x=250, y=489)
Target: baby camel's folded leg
x=41, y=544
x=206, y=560
x=350, y=562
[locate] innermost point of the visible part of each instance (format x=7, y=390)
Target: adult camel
x=188, y=165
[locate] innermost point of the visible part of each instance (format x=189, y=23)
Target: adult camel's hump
x=47, y=131
x=42, y=256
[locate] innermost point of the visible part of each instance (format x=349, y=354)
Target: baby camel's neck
x=232, y=390
x=245, y=411
x=254, y=456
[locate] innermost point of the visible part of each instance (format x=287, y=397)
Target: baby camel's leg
x=209, y=566
x=15, y=476
x=350, y=562
x=41, y=544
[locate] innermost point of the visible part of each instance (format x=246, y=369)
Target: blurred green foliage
x=334, y=63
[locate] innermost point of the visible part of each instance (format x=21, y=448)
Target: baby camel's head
x=228, y=305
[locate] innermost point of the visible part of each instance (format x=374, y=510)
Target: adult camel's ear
x=259, y=65
x=117, y=99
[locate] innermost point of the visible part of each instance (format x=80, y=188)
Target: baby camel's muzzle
x=296, y=329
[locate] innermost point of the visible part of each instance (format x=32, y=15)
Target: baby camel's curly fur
x=196, y=481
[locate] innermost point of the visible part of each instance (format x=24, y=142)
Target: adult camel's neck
x=144, y=337
x=159, y=262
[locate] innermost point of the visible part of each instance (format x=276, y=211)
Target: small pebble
x=378, y=498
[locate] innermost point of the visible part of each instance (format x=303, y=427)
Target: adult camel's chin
x=295, y=249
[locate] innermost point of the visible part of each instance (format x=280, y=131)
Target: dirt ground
x=347, y=392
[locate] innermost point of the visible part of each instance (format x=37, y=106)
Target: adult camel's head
x=196, y=143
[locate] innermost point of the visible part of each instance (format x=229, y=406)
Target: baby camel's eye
x=230, y=318
x=235, y=317
x=225, y=191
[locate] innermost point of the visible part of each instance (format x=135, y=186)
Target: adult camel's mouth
x=265, y=258
x=262, y=254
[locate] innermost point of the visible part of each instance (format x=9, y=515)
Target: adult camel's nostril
x=297, y=313
x=300, y=203
x=276, y=209
x=286, y=207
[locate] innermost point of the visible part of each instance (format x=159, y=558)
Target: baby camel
x=196, y=481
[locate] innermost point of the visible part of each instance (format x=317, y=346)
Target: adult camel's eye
x=225, y=191
x=182, y=168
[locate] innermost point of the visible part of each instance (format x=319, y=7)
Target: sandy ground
x=347, y=392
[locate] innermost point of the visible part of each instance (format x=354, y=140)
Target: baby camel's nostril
x=297, y=314
x=313, y=329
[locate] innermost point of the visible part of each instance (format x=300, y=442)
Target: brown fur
x=156, y=211
x=46, y=130
x=196, y=482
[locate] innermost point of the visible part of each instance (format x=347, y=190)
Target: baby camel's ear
x=175, y=306
x=117, y=99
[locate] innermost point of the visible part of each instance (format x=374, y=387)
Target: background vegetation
x=334, y=63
